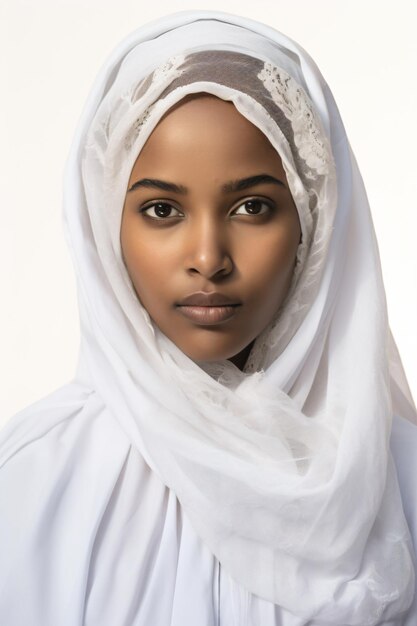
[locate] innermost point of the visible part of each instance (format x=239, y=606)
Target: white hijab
x=284, y=470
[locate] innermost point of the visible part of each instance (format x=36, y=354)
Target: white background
x=50, y=52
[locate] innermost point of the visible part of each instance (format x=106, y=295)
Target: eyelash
x=162, y=219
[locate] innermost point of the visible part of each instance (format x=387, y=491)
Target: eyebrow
x=229, y=187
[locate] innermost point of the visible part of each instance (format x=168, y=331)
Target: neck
x=240, y=359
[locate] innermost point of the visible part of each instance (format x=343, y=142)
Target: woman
x=238, y=445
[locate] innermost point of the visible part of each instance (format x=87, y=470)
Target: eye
x=160, y=211
x=253, y=207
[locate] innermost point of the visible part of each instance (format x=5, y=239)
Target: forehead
x=196, y=107
x=207, y=131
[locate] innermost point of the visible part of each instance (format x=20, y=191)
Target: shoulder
x=58, y=435
x=71, y=409
x=63, y=446
x=62, y=453
x=60, y=460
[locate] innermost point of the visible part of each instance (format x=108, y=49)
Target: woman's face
x=209, y=230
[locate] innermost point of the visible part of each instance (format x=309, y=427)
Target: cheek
x=146, y=271
x=271, y=265
x=150, y=283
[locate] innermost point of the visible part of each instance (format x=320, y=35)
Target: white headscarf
x=284, y=469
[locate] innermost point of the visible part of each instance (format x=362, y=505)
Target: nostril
x=210, y=269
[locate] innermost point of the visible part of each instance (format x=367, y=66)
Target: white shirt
x=72, y=477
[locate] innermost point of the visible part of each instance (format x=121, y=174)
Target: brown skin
x=197, y=241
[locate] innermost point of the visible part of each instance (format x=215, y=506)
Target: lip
x=210, y=299
x=208, y=309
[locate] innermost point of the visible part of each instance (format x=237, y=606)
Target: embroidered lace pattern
x=162, y=76
x=297, y=107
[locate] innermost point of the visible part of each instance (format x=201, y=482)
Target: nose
x=208, y=250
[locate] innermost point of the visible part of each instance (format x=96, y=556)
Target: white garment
x=76, y=498
x=309, y=505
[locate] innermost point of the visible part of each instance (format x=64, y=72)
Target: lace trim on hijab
x=162, y=76
x=294, y=103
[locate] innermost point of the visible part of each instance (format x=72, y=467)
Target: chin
x=210, y=357
x=211, y=353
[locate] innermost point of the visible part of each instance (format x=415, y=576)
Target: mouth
x=208, y=308
x=208, y=315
